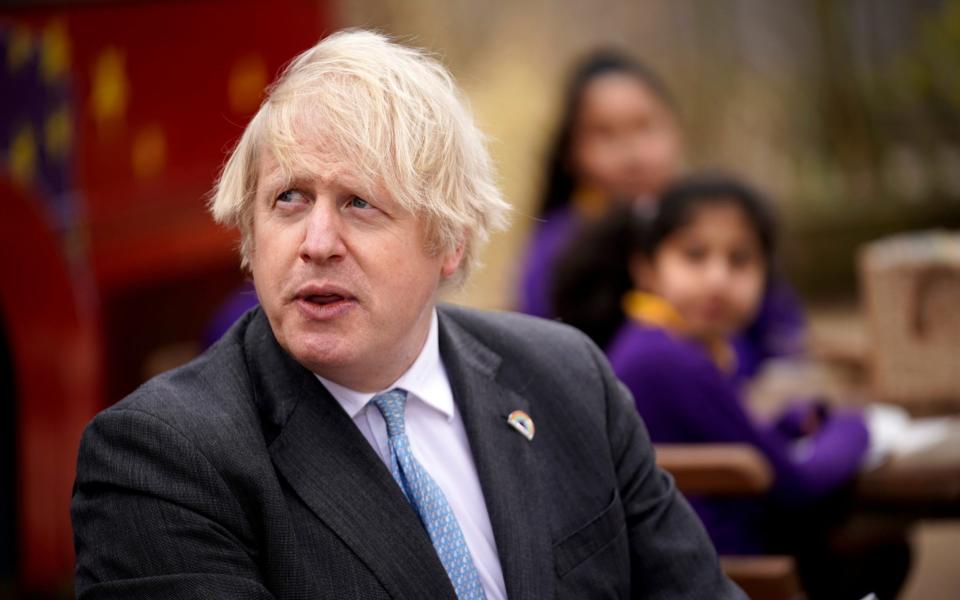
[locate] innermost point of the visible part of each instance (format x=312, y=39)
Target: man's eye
x=289, y=196
x=358, y=203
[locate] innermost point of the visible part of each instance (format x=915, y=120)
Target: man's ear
x=451, y=262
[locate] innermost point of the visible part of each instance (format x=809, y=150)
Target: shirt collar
x=426, y=379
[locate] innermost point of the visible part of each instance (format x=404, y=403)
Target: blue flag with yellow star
x=36, y=117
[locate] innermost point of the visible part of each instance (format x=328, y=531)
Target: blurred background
x=116, y=116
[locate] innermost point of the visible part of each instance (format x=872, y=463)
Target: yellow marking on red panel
x=148, y=155
x=23, y=155
x=110, y=88
x=54, y=51
x=19, y=48
x=58, y=132
x=248, y=78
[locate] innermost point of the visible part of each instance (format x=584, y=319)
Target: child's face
x=625, y=139
x=712, y=271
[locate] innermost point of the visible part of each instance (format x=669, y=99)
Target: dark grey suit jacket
x=239, y=476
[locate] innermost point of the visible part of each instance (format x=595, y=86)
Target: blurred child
x=700, y=270
x=700, y=267
x=618, y=141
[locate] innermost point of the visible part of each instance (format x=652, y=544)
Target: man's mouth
x=324, y=299
x=324, y=302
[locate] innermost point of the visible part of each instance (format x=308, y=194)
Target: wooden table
x=921, y=485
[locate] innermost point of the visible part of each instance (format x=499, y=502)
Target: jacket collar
x=320, y=453
x=487, y=391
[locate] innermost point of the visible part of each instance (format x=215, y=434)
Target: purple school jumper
x=778, y=330
x=684, y=398
x=237, y=303
x=550, y=237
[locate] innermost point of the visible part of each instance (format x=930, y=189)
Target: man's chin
x=311, y=343
x=322, y=361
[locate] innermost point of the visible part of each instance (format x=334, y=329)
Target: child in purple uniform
x=618, y=142
x=701, y=266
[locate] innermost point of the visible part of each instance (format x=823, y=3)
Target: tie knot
x=391, y=405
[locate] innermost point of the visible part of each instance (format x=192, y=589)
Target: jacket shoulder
x=214, y=387
x=513, y=334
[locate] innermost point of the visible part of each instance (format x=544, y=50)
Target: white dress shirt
x=439, y=442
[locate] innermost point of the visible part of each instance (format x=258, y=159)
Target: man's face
x=342, y=272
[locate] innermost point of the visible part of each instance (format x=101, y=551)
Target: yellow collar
x=654, y=311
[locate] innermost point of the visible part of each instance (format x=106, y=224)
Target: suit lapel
x=505, y=460
x=321, y=454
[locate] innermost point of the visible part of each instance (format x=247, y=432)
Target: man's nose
x=323, y=233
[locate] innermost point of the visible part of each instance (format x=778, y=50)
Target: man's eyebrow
x=276, y=179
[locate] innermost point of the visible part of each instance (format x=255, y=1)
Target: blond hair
x=396, y=115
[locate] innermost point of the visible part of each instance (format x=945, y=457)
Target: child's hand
x=802, y=418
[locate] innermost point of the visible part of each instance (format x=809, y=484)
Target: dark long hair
x=592, y=275
x=560, y=183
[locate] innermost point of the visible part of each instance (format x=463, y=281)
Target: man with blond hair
x=350, y=438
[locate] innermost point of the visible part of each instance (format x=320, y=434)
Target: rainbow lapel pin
x=522, y=422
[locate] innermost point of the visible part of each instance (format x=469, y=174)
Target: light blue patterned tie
x=428, y=500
